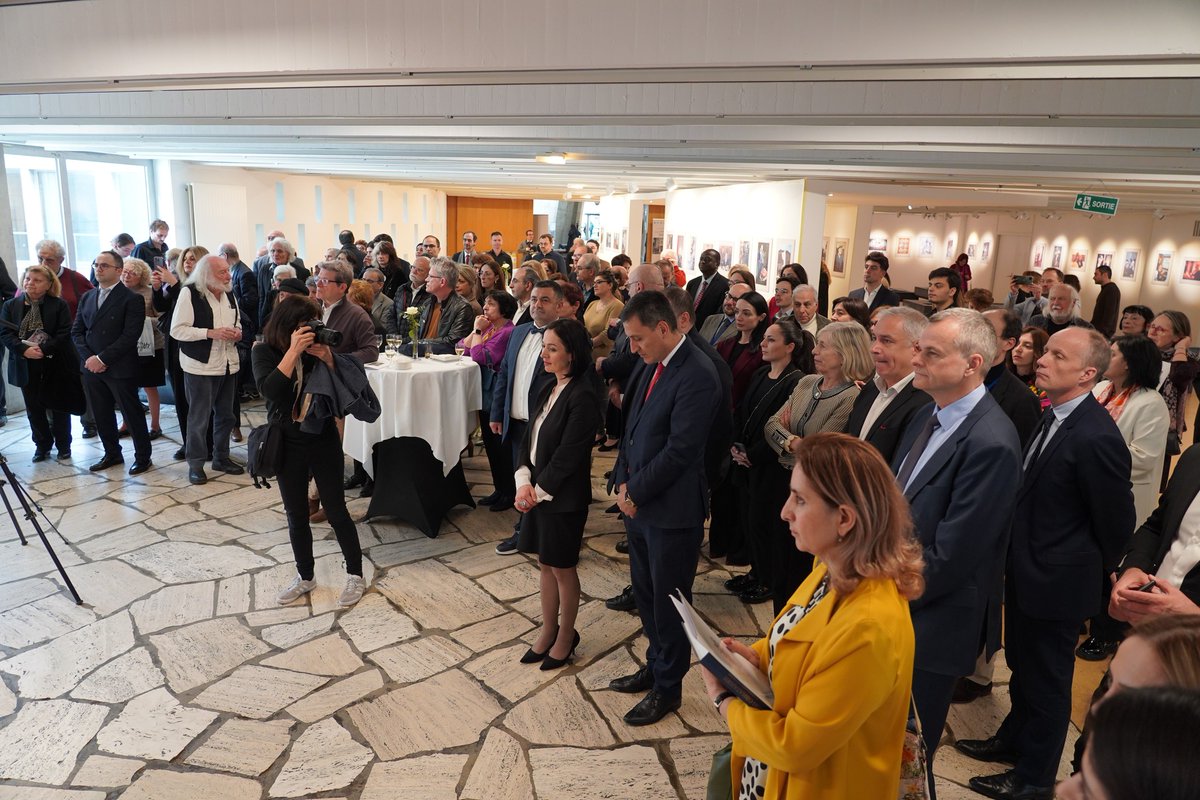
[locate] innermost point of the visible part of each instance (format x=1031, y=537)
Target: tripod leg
x=29, y=515
x=11, y=514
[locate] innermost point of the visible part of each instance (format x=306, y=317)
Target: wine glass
x=459, y=350
x=379, y=344
x=393, y=341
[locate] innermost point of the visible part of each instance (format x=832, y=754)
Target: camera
x=324, y=334
x=1022, y=280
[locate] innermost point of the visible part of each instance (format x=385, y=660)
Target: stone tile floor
x=181, y=678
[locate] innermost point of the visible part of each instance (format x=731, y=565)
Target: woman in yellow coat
x=840, y=655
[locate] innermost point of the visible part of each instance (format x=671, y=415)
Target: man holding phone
x=155, y=246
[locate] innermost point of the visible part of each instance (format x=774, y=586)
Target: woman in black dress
x=43, y=318
x=282, y=362
x=554, y=484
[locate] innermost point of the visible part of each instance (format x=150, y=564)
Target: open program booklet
x=734, y=672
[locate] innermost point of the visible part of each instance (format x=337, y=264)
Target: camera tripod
x=28, y=504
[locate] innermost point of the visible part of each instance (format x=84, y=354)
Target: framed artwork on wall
x=693, y=256
x=1104, y=260
x=1056, y=259
x=1162, y=267
x=624, y=239
x=840, y=246
x=744, y=253
x=902, y=245
x=1129, y=271
x=825, y=250
x=925, y=249
x=970, y=251
x=671, y=243
x=1039, y=252
x=950, y=249
x=877, y=243
x=785, y=253
x=726, y=251
x=985, y=251
x=762, y=262
x=1191, y=271
x=1078, y=260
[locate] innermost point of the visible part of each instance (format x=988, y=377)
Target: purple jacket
x=489, y=354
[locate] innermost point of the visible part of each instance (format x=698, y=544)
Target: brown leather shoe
x=318, y=516
x=236, y=434
x=314, y=505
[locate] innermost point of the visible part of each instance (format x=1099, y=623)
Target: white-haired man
x=207, y=325
x=279, y=252
x=1062, y=311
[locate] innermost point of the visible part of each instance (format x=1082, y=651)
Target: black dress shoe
x=368, y=489
x=653, y=707
x=1096, y=649
x=1007, y=786
x=40, y=455
x=990, y=749
x=622, y=602
x=487, y=501
x=140, y=466
x=640, y=681
x=181, y=454
x=228, y=466
x=106, y=462
x=196, y=476
x=89, y=431
x=608, y=448
x=759, y=593
x=966, y=690
x=550, y=662
x=739, y=583
x=64, y=455
x=613, y=509
x=622, y=547
x=502, y=504
x=354, y=481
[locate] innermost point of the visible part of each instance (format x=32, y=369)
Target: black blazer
x=564, y=452
x=1074, y=512
x=714, y=296
x=720, y=432
x=961, y=510
x=661, y=455
x=1021, y=405
x=111, y=332
x=889, y=427
x=884, y=297
x=1151, y=542
x=56, y=322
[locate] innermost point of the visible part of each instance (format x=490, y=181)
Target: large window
x=103, y=198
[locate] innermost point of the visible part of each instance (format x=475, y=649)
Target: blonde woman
x=135, y=274
x=840, y=654
x=468, y=287
x=820, y=403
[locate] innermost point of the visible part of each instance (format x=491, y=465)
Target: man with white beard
x=207, y=325
x=1061, y=312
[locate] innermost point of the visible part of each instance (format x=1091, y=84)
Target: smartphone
x=1145, y=587
x=159, y=262
x=741, y=448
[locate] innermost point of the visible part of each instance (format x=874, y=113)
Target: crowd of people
x=905, y=476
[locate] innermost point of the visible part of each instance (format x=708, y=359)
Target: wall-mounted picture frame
x=744, y=253
x=693, y=255
x=1129, y=271
x=1078, y=260
x=785, y=253
x=877, y=243
x=825, y=250
x=1039, y=253
x=950, y=249
x=762, y=262
x=1104, y=260
x=925, y=247
x=671, y=243
x=902, y=245
x=1162, y=266
x=624, y=240
x=971, y=252
x=985, y=251
x=840, y=247
x=726, y=251
x=1057, y=257
x=1191, y=271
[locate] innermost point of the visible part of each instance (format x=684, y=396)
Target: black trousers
x=516, y=435
x=1041, y=654
x=321, y=456
x=662, y=560
x=931, y=695
x=49, y=428
x=105, y=395
x=175, y=376
x=500, y=458
x=725, y=523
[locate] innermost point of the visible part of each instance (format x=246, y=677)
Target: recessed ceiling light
x=574, y=185
x=558, y=159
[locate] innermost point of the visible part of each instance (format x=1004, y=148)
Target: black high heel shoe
x=533, y=656
x=549, y=662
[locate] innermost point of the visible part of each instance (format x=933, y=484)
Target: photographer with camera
x=285, y=364
x=352, y=322
x=207, y=325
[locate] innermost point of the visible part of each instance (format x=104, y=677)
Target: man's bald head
x=645, y=277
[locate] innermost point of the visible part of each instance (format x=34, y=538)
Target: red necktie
x=653, y=380
x=699, y=294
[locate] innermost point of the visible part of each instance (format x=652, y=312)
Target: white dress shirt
x=882, y=400
x=223, y=358
x=1061, y=412
x=527, y=360
x=1184, y=554
x=869, y=296
x=524, y=475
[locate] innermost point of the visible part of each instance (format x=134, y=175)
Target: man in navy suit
x=887, y=402
x=106, y=331
x=663, y=493
x=1074, y=517
x=874, y=292
x=517, y=383
x=958, y=465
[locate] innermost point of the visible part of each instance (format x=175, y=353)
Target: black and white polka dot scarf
x=754, y=772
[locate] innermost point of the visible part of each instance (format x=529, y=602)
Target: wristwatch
x=721, y=698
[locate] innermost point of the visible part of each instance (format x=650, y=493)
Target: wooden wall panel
x=484, y=215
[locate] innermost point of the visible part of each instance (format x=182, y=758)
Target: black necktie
x=917, y=450
x=1039, y=441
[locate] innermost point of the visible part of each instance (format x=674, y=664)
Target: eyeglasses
x=101, y=265
x=372, y=280
x=327, y=281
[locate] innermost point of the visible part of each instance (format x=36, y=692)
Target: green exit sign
x=1096, y=204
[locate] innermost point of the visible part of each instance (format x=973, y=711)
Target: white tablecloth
x=435, y=401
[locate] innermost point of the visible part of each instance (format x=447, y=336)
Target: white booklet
x=734, y=672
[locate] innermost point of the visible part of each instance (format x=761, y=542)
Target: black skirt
x=554, y=536
x=151, y=370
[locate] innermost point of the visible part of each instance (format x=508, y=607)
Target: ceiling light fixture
x=557, y=159
x=1159, y=213
x=910, y=206
x=671, y=185
x=574, y=185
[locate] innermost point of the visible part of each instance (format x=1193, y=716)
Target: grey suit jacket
x=710, y=325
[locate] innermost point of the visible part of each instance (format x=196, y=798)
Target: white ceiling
x=1032, y=100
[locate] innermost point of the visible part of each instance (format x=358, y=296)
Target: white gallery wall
x=309, y=209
